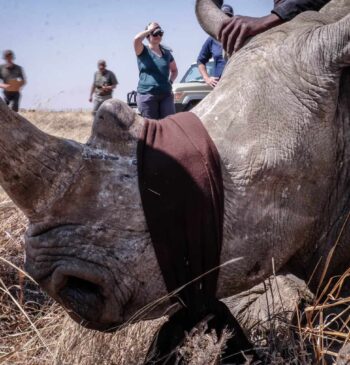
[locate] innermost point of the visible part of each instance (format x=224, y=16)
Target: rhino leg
x=266, y=307
x=274, y=300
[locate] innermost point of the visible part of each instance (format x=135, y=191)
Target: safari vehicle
x=192, y=88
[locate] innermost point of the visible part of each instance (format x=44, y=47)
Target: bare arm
x=236, y=30
x=23, y=78
x=211, y=81
x=204, y=56
x=138, y=45
x=173, y=71
x=3, y=85
x=93, y=87
x=203, y=71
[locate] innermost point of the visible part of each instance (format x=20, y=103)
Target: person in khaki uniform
x=13, y=80
x=104, y=84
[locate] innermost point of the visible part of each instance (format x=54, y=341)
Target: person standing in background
x=104, y=84
x=158, y=71
x=213, y=49
x=13, y=79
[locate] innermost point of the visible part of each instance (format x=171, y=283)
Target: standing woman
x=158, y=70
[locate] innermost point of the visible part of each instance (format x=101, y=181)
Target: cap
x=227, y=9
x=101, y=62
x=7, y=53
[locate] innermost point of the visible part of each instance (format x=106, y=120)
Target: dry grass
x=36, y=331
x=73, y=125
x=328, y=321
x=202, y=348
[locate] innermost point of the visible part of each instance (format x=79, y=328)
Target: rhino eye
x=125, y=177
x=134, y=162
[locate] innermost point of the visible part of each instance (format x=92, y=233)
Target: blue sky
x=59, y=42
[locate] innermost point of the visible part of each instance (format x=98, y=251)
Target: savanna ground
x=36, y=331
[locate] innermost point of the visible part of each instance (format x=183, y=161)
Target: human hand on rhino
x=235, y=31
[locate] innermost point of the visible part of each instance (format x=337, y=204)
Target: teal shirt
x=154, y=72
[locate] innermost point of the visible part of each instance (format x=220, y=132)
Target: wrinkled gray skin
x=280, y=118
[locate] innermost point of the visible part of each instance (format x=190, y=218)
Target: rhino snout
x=73, y=274
x=86, y=296
x=83, y=297
x=85, y=293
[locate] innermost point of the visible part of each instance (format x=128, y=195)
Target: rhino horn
x=35, y=168
x=210, y=17
x=116, y=127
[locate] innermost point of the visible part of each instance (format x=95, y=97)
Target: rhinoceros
x=280, y=119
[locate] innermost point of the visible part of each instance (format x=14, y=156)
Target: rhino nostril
x=83, y=297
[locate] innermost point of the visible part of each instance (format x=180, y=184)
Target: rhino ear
x=336, y=9
x=115, y=128
x=334, y=42
x=210, y=17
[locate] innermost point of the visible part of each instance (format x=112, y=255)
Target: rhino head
x=87, y=243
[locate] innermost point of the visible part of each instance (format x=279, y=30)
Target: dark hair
x=7, y=53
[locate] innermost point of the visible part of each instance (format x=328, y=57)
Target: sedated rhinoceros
x=280, y=118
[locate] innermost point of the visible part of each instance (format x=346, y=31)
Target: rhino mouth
x=82, y=297
x=85, y=297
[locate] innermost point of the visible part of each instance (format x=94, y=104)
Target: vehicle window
x=193, y=74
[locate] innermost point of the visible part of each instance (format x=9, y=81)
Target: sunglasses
x=158, y=33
